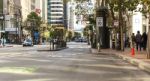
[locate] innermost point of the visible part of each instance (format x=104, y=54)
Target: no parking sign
x=99, y=21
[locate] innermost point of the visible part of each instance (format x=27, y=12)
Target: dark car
x=27, y=42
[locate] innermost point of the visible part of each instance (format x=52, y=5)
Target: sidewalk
x=9, y=45
x=139, y=59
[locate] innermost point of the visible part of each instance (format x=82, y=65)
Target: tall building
x=33, y=5
x=1, y=16
x=10, y=25
x=26, y=8
x=71, y=16
x=41, y=9
x=55, y=12
x=65, y=10
x=44, y=10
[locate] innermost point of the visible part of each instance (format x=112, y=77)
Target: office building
x=55, y=12
x=10, y=25
x=26, y=8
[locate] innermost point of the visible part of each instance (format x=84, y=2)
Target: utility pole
x=121, y=26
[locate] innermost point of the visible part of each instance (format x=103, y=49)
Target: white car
x=27, y=42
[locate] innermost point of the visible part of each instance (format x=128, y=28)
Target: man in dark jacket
x=133, y=40
x=144, y=40
x=138, y=38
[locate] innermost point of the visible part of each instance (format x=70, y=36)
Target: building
x=41, y=9
x=44, y=10
x=33, y=4
x=55, y=12
x=1, y=16
x=26, y=8
x=71, y=16
x=12, y=13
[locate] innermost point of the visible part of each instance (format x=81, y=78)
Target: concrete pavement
x=139, y=59
x=73, y=64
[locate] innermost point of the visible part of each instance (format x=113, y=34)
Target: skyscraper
x=33, y=5
x=26, y=8
x=55, y=12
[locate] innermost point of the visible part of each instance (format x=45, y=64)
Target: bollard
x=132, y=52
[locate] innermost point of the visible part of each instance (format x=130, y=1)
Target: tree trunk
x=148, y=44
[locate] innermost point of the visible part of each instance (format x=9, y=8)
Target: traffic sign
x=1, y=17
x=99, y=21
x=116, y=23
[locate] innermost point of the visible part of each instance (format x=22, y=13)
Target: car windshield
x=28, y=40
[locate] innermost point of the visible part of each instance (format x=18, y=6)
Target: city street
x=75, y=63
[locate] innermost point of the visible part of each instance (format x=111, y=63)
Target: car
x=81, y=39
x=27, y=42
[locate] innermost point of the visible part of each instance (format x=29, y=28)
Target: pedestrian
x=144, y=40
x=138, y=38
x=133, y=40
x=127, y=44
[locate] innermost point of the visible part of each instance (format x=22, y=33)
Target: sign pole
x=99, y=23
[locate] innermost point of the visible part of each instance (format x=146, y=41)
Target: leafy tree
x=35, y=21
x=77, y=34
x=122, y=7
x=146, y=11
x=69, y=35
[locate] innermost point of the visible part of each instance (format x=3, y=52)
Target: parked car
x=27, y=42
x=81, y=39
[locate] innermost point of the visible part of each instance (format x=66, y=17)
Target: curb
x=139, y=63
x=5, y=46
x=53, y=50
x=9, y=46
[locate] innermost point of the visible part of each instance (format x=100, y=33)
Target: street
x=75, y=63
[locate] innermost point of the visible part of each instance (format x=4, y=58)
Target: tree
x=122, y=7
x=34, y=28
x=146, y=11
x=34, y=20
x=77, y=34
x=69, y=35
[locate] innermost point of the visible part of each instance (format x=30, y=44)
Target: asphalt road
x=73, y=64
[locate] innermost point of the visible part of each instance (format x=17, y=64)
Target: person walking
x=144, y=40
x=138, y=38
x=133, y=40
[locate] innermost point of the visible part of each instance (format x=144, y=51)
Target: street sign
x=116, y=23
x=1, y=17
x=99, y=21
